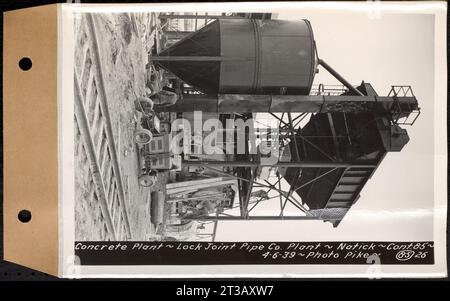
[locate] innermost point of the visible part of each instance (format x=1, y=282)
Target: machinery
x=152, y=139
x=273, y=57
x=332, y=139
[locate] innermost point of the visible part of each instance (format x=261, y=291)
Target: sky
x=383, y=49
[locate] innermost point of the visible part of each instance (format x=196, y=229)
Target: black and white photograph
x=231, y=135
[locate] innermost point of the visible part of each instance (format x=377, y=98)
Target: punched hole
x=24, y=216
x=25, y=63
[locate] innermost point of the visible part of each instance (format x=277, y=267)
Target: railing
x=328, y=90
x=403, y=113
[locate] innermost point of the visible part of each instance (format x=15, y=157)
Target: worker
x=164, y=98
x=144, y=105
x=206, y=206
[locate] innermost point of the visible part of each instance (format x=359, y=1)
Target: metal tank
x=245, y=56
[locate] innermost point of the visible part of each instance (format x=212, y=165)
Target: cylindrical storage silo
x=157, y=207
x=245, y=56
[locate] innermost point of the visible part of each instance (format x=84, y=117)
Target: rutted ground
x=122, y=53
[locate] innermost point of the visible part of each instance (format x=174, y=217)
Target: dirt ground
x=123, y=59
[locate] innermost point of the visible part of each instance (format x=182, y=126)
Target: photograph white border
x=66, y=151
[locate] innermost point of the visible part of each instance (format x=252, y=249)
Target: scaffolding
x=322, y=131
